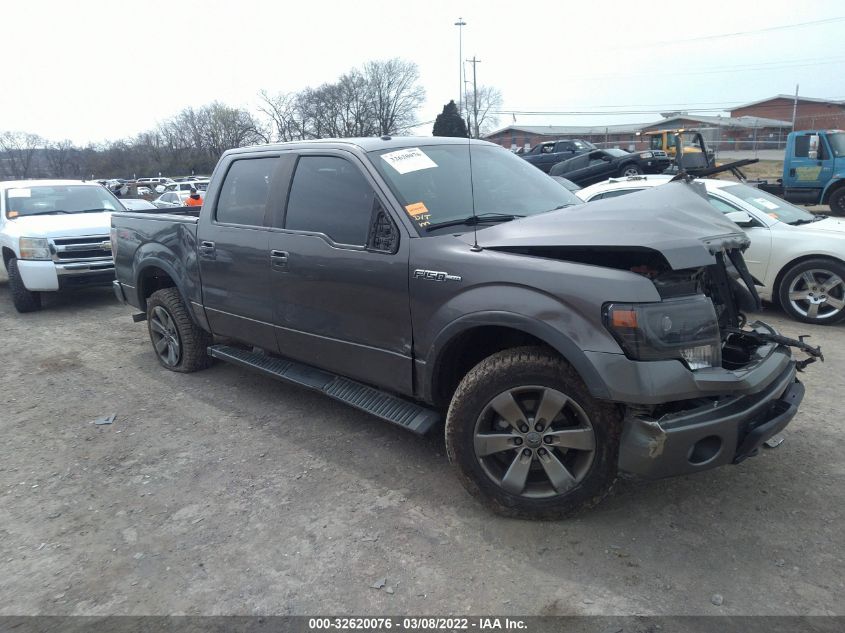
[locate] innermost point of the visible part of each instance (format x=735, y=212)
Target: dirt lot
x=222, y=492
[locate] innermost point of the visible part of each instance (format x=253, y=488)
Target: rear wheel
x=813, y=291
x=630, y=169
x=23, y=299
x=527, y=438
x=179, y=343
x=837, y=201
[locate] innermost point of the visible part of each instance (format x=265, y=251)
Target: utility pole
x=474, y=61
x=460, y=24
x=794, y=107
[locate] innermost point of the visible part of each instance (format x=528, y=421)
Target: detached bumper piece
x=383, y=405
x=717, y=432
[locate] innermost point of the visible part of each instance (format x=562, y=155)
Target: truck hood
x=60, y=225
x=674, y=219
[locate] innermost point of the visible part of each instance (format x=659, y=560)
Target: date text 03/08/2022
x=428, y=623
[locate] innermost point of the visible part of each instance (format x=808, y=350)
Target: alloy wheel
x=817, y=294
x=165, y=337
x=534, y=442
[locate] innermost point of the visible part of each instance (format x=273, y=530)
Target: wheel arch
x=832, y=187
x=8, y=254
x=467, y=341
x=154, y=274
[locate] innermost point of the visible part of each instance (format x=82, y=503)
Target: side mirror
x=742, y=218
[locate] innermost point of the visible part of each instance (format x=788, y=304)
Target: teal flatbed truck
x=813, y=170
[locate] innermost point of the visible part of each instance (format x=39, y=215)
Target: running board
x=378, y=403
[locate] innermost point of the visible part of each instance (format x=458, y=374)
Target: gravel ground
x=223, y=492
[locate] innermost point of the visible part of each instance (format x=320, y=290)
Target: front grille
x=75, y=249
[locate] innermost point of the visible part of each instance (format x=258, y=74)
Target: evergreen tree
x=449, y=122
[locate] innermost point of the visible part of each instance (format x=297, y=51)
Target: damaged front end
x=730, y=424
x=701, y=386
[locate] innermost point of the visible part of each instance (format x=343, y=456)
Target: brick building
x=745, y=132
x=810, y=114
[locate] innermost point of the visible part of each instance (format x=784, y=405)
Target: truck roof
x=367, y=144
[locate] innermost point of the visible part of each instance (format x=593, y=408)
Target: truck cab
x=547, y=154
x=814, y=168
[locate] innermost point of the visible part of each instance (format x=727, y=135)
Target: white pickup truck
x=54, y=234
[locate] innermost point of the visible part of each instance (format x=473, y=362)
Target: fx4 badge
x=435, y=275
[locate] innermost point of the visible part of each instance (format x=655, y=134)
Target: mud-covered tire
x=825, y=279
x=24, y=300
x=529, y=368
x=168, y=320
x=837, y=201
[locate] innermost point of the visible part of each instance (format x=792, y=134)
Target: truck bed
x=148, y=241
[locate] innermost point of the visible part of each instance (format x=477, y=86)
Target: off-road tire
x=530, y=366
x=193, y=340
x=819, y=264
x=23, y=299
x=837, y=202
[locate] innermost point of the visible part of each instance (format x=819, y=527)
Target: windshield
x=769, y=204
x=837, y=143
x=59, y=199
x=433, y=183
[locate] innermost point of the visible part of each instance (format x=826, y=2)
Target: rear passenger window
x=243, y=196
x=330, y=195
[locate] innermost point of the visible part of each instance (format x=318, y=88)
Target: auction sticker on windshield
x=409, y=159
x=19, y=193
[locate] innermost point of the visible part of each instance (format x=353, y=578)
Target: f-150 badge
x=435, y=275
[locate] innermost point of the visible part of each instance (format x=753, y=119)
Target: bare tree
x=395, y=93
x=20, y=149
x=488, y=101
x=58, y=157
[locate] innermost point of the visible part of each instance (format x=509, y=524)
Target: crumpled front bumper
x=719, y=431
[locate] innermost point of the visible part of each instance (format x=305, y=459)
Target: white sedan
x=797, y=258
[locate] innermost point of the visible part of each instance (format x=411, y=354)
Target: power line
x=759, y=66
x=719, y=36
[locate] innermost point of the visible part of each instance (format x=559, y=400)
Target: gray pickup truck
x=420, y=279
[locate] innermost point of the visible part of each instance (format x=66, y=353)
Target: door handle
x=279, y=259
x=792, y=172
x=207, y=248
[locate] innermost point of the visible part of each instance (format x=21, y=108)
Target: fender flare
x=554, y=338
x=156, y=262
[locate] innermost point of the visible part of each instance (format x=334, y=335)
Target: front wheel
x=528, y=439
x=837, y=201
x=813, y=291
x=179, y=343
x=23, y=299
x=631, y=170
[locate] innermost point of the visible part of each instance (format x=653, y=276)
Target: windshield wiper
x=91, y=210
x=472, y=220
x=801, y=221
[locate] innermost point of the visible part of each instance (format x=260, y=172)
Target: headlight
x=646, y=155
x=683, y=329
x=34, y=248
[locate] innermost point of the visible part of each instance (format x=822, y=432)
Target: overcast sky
x=91, y=71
